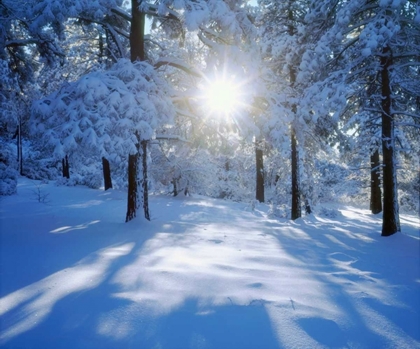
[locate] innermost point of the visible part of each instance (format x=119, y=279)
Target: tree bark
x=296, y=207
x=308, y=209
x=145, y=180
x=132, y=187
x=19, y=146
x=107, y=174
x=65, y=167
x=390, y=221
x=259, y=164
x=138, y=21
x=137, y=53
x=375, y=184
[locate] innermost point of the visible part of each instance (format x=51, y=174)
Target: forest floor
x=204, y=273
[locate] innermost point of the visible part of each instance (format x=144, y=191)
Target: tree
x=380, y=40
x=99, y=115
x=285, y=40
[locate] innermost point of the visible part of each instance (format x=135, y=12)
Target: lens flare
x=222, y=97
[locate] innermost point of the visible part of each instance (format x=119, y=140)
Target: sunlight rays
x=223, y=97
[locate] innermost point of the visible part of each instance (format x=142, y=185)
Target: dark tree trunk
x=145, y=180
x=107, y=174
x=259, y=162
x=65, y=166
x=391, y=221
x=137, y=32
x=132, y=187
x=296, y=208
x=175, y=187
x=175, y=184
x=308, y=209
x=136, y=53
x=101, y=54
x=375, y=184
x=19, y=146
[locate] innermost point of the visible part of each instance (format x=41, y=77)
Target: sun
x=222, y=96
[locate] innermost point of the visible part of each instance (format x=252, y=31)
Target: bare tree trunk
x=175, y=186
x=145, y=180
x=296, y=207
x=138, y=21
x=259, y=164
x=65, y=167
x=375, y=184
x=308, y=209
x=19, y=142
x=132, y=204
x=391, y=220
x=137, y=53
x=107, y=174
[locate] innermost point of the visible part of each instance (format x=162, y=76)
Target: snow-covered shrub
x=38, y=165
x=8, y=172
x=8, y=179
x=409, y=202
x=329, y=212
x=279, y=211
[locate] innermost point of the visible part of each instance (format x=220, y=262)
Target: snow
x=204, y=273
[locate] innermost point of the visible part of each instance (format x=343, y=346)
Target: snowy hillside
x=203, y=273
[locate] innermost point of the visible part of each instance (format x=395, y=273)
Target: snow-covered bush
x=279, y=211
x=329, y=212
x=38, y=164
x=8, y=172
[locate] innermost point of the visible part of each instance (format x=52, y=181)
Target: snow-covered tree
x=101, y=114
x=289, y=31
x=374, y=49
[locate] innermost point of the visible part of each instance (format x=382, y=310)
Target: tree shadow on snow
x=372, y=281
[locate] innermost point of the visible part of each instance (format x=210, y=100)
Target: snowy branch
x=416, y=116
x=171, y=138
x=122, y=14
x=177, y=64
x=407, y=124
x=23, y=42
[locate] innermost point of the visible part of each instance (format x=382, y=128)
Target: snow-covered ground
x=202, y=274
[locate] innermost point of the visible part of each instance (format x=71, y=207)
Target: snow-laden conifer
x=100, y=114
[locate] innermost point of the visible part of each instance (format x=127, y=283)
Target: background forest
x=293, y=103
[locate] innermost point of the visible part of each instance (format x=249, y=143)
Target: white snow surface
x=203, y=273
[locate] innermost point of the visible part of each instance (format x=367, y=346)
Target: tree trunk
x=137, y=32
x=175, y=187
x=308, y=209
x=132, y=187
x=107, y=174
x=65, y=167
x=296, y=209
x=145, y=180
x=391, y=220
x=19, y=146
x=375, y=184
x=259, y=164
x=136, y=53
